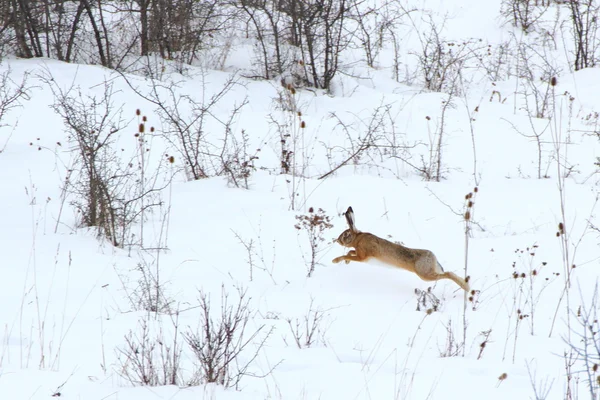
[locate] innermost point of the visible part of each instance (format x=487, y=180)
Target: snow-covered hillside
x=277, y=167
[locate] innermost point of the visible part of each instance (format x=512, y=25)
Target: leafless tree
x=52, y=28
x=524, y=13
x=372, y=26
x=584, y=22
x=269, y=27
x=314, y=32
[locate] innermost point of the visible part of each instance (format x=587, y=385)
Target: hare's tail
x=458, y=280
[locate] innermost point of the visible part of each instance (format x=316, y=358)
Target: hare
x=366, y=246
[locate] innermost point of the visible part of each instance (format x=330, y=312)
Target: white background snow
x=65, y=293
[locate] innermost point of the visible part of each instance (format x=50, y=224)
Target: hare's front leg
x=351, y=256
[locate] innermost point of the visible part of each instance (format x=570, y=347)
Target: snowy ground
x=69, y=299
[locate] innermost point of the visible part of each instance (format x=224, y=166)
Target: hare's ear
x=350, y=218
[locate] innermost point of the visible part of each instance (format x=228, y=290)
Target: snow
x=68, y=296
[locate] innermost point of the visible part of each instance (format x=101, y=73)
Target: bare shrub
x=431, y=166
x=585, y=342
x=291, y=129
x=236, y=161
x=357, y=150
x=536, y=135
x=541, y=389
x=537, y=74
x=221, y=344
x=441, y=61
x=151, y=358
x=149, y=293
x=315, y=223
x=524, y=13
x=427, y=301
x=11, y=95
x=109, y=193
x=496, y=61
x=527, y=272
x=256, y=257
x=189, y=126
x=530, y=278
x=370, y=142
x=561, y=141
x=452, y=347
x=310, y=329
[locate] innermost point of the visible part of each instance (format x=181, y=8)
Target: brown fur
x=366, y=246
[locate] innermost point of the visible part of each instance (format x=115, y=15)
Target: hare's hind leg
x=458, y=280
x=428, y=268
